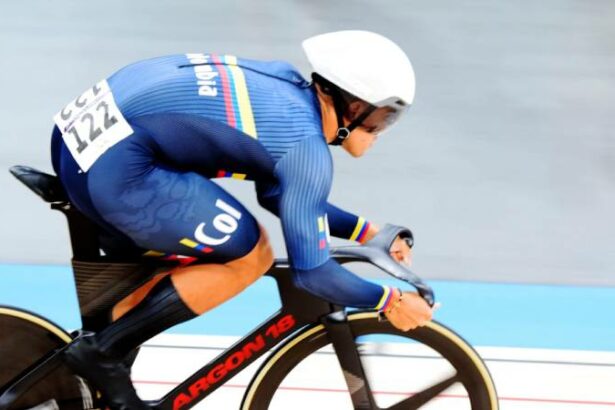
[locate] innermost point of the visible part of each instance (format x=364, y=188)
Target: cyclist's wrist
x=372, y=230
x=363, y=231
x=396, y=299
x=390, y=296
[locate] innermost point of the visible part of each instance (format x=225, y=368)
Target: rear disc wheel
x=25, y=338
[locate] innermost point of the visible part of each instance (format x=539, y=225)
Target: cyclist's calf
x=256, y=263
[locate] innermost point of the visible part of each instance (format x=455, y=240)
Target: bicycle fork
x=344, y=345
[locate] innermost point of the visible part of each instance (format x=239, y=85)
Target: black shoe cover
x=107, y=374
x=130, y=359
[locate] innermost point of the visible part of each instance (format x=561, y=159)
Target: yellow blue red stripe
x=385, y=300
x=236, y=97
x=181, y=259
x=194, y=245
x=242, y=97
x=233, y=91
x=227, y=91
x=322, y=233
x=360, y=231
x=226, y=174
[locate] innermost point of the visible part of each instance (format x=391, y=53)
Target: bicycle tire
x=25, y=338
x=472, y=370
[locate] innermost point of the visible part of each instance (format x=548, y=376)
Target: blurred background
x=504, y=167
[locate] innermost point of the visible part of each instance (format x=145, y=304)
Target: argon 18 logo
x=225, y=222
x=218, y=372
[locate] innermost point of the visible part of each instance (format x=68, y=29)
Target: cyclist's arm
x=342, y=224
x=305, y=180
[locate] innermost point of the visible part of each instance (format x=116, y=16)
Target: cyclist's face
x=363, y=137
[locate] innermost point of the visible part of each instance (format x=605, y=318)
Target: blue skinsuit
x=202, y=116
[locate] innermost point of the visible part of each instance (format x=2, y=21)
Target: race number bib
x=91, y=124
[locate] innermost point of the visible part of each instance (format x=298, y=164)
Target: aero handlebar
x=376, y=252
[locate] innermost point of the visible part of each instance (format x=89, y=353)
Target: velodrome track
x=526, y=379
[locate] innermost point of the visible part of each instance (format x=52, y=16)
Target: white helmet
x=367, y=65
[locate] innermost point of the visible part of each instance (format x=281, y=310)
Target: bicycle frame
x=102, y=282
x=299, y=309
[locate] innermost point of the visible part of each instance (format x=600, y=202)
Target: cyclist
x=137, y=152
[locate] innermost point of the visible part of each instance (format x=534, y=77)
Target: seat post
x=83, y=232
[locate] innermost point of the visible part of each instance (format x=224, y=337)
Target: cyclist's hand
x=401, y=252
x=410, y=313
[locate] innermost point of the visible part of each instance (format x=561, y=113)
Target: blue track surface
x=485, y=314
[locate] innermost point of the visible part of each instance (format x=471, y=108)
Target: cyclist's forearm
x=346, y=225
x=338, y=285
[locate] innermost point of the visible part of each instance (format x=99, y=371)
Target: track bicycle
x=304, y=330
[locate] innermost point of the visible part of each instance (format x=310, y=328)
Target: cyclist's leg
x=166, y=210
x=162, y=190
x=204, y=286
x=111, y=240
x=170, y=211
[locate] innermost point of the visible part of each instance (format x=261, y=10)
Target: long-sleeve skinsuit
x=191, y=118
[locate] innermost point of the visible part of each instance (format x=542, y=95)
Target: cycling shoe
x=107, y=374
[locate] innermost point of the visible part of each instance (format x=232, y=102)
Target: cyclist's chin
x=355, y=151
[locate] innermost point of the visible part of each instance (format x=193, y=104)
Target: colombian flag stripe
x=321, y=224
x=360, y=229
x=226, y=91
x=242, y=97
x=225, y=174
x=234, y=94
x=199, y=247
x=322, y=235
x=188, y=243
x=363, y=233
x=385, y=299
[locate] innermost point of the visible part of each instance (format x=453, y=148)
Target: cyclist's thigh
x=167, y=210
x=75, y=182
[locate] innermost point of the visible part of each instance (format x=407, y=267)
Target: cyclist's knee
x=254, y=264
x=264, y=253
